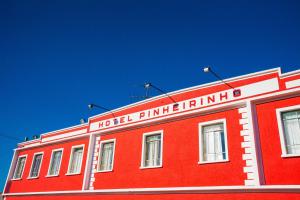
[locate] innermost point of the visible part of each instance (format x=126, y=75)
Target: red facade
x=212, y=144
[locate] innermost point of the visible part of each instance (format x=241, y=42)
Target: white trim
x=281, y=131
x=253, y=149
x=93, y=162
x=14, y=179
x=53, y=132
x=161, y=132
x=211, y=162
x=175, y=190
x=289, y=74
x=49, y=176
x=64, y=129
x=51, y=160
x=70, y=134
x=293, y=83
x=11, y=171
x=38, y=174
x=30, y=142
x=55, y=141
x=99, y=154
x=70, y=159
x=88, y=171
x=206, y=123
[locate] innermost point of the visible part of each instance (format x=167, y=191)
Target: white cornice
x=174, y=190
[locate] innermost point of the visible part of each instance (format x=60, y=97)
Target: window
x=36, y=165
x=213, y=141
x=75, y=160
x=55, y=162
x=289, y=122
x=106, y=156
x=20, y=167
x=152, y=150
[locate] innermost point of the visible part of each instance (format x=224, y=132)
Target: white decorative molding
x=60, y=136
x=174, y=190
x=293, y=83
x=94, y=163
x=248, y=144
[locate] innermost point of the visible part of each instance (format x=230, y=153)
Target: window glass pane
x=55, y=163
x=19, y=168
x=106, y=156
x=36, y=165
x=213, y=143
x=291, y=126
x=76, y=160
x=152, y=150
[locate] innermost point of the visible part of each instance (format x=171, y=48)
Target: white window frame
x=51, y=160
x=38, y=174
x=161, y=132
x=19, y=157
x=207, y=123
x=71, y=156
x=281, y=129
x=100, y=152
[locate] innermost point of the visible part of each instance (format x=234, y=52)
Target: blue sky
x=58, y=56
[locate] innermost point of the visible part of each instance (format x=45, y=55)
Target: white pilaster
x=248, y=144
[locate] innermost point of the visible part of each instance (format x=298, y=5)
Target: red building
x=214, y=143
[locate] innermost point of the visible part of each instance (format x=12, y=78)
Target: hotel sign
x=224, y=96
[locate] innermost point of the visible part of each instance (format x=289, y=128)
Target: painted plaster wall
x=43, y=183
x=180, y=157
x=277, y=170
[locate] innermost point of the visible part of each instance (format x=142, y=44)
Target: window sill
x=16, y=179
x=151, y=167
x=73, y=174
x=32, y=177
x=290, y=155
x=103, y=171
x=49, y=176
x=212, y=162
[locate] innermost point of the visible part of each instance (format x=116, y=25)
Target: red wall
x=277, y=170
x=61, y=182
x=180, y=157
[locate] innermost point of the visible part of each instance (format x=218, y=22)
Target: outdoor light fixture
x=82, y=121
x=91, y=106
x=206, y=69
x=236, y=92
x=35, y=137
x=148, y=85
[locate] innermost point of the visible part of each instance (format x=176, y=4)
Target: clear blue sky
x=57, y=56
